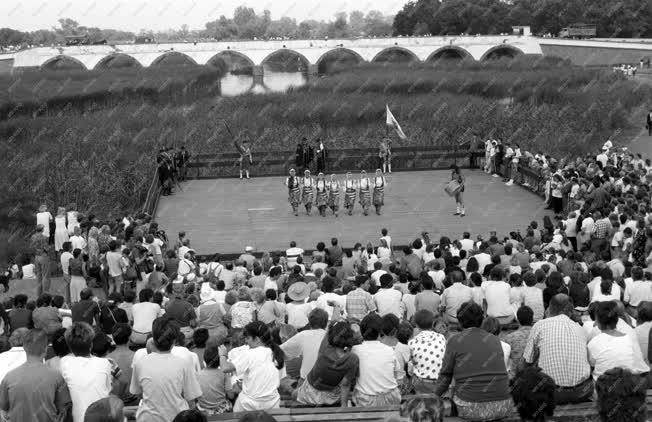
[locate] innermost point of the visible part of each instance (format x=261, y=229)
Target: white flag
x=391, y=121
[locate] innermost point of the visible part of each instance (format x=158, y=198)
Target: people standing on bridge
x=648, y=125
x=181, y=158
x=379, y=191
x=334, y=195
x=294, y=191
x=307, y=191
x=245, y=159
x=321, y=200
x=385, y=154
x=320, y=156
x=365, y=193
x=349, y=193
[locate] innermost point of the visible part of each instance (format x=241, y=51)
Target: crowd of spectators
x=553, y=313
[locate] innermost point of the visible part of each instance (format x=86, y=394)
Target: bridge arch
x=178, y=59
x=227, y=53
x=448, y=52
x=500, y=51
x=287, y=51
x=53, y=63
x=117, y=60
x=412, y=57
x=323, y=60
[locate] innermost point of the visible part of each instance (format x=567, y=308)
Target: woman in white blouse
x=44, y=217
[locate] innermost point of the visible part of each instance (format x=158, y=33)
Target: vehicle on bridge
x=578, y=30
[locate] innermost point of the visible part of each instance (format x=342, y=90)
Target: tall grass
x=103, y=158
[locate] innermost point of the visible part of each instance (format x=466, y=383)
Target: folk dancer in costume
x=307, y=188
x=321, y=200
x=385, y=154
x=245, y=159
x=365, y=193
x=334, y=195
x=379, y=191
x=459, y=195
x=349, y=193
x=294, y=191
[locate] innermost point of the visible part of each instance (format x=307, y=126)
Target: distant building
x=521, y=30
x=77, y=39
x=144, y=40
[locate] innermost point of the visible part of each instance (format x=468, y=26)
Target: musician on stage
x=322, y=194
x=379, y=191
x=307, y=191
x=349, y=193
x=294, y=191
x=385, y=154
x=457, y=175
x=334, y=195
x=365, y=193
x=245, y=158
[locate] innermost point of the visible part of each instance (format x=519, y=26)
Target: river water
x=233, y=85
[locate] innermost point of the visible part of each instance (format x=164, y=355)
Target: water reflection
x=233, y=85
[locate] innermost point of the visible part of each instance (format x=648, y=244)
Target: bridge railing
x=153, y=195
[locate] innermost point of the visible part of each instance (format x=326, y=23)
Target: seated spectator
x=409, y=298
x=533, y=393
x=359, y=302
x=298, y=310
x=19, y=315
x=123, y=357
x=423, y=409
x=388, y=299
x=15, y=356
x=199, y=339
x=492, y=326
x=621, y=396
x=411, y=263
x=517, y=339
x=214, y=384
x=179, y=309
x=60, y=349
x=427, y=299
x=264, y=310
x=257, y=417
x=426, y=353
x=554, y=285
x=128, y=304
x=640, y=290
x=88, y=377
x=472, y=368
x=328, y=287
x=401, y=333
x=644, y=327
x=557, y=345
x=108, y=409
x=111, y=314
x=454, y=296
x=211, y=312
x=579, y=291
x=306, y=344
x=166, y=382
x=376, y=384
x=532, y=297
x=496, y=293
x=257, y=364
x=612, y=348
x=45, y=316
x=329, y=381
x=33, y=391
x=144, y=313
x=86, y=310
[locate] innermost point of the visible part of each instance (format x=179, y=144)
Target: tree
x=376, y=24
x=339, y=28
x=284, y=27
x=68, y=27
x=357, y=23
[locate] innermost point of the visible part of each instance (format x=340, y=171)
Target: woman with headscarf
x=365, y=193
x=379, y=191
x=349, y=193
x=294, y=192
x=334, y=195
x=321, y=201
x=307, y=184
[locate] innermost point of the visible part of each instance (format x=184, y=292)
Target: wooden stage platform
x=225, y=215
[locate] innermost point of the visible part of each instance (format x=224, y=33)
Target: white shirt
x=305, y=344
x=292, y=254
x=28, y=272
x=44, y=218
x=375, y=276
x=270, y=284
x=11, y=359
x=597, y=295
x=388, y=240
x=378, y=365
x=438, y=278
x=182, y=251
x=388, y=301
x=607, y=351
x=260, y=377
x=144, y=315
x=507, y=350
x=322, y=302
x=570, y=227
x=191, y=358
x=497, y=296
x=587, y=226
x=65, y=262
x=639, y=291
x=88, y=379
x=483, y=259
x=602, y=158
x=467, y=244
x=78, y=242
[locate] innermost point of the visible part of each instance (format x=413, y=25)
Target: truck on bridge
x=578, y=30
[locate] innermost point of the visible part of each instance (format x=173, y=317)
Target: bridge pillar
x=313, y=72
x=258, y=75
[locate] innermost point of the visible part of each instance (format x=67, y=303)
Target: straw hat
x=299, y=291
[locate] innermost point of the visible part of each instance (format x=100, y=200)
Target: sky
x=134, y=15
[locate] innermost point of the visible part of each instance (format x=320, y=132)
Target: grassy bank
x=103, y=158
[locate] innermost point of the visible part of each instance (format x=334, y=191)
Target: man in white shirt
x=306, y=344
x=496, y=292
x=387, y=299
x=15, y=356
x=144, y=313
x=184, y=248
x=78, y=242
x=467, y=242
x=318, y=262
x=292, y=254
x=386, y=237
x=329, y=297
x=602, y=157
x=483, y=257
x=378, y=272
x=640, y=290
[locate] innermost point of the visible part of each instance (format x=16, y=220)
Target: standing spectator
x=648, y=120
x=359, y=302
x=473, y=367
x=114, y=263
x=426, y=353
x=33, y=391
x=376, y=384
x=306, y=344
x=388, y=300
x=65, y=258
x=88, y=377
x=40, y=247
x=558, y=346
x=77, y=268
x=166, y=382
x=77, y=241
x=44, y=218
